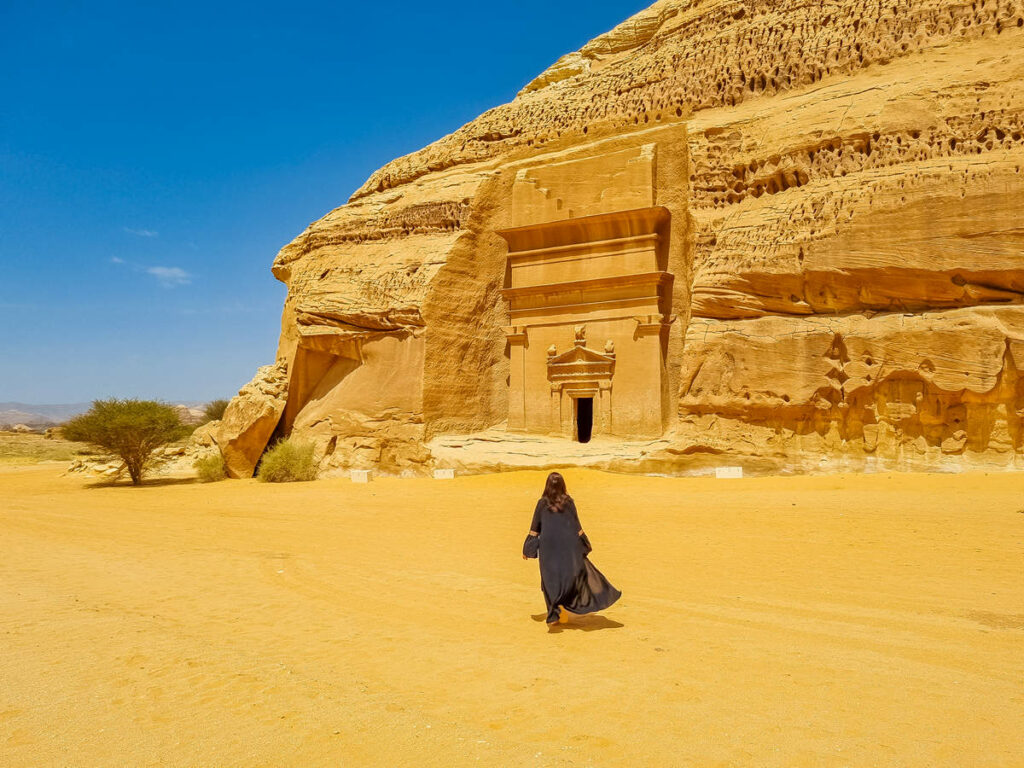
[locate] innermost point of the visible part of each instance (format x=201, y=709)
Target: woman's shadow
x=590, y=622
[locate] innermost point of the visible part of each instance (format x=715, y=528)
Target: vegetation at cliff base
x=287, y=462
x=210, y=468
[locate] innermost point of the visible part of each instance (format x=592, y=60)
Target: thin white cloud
x=141, y=232
x=170, y=277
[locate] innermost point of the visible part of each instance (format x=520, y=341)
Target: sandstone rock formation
x=250, y=420
x=763, y=232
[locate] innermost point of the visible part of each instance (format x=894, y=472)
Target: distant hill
x=39, y=415
x=42, y=416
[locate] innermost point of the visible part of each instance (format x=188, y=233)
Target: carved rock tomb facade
x=757, y=232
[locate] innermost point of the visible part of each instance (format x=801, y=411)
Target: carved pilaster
x=518, y=342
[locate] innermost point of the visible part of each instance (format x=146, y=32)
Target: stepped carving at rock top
x=757, y=232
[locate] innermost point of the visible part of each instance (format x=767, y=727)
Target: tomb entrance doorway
x=584, y=418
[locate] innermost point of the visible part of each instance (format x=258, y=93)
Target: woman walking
x=570, y=582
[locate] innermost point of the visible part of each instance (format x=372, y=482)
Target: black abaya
x=567, y=576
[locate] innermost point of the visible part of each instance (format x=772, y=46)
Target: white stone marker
x=444, y=474
x=728, y=472
x=359, y=475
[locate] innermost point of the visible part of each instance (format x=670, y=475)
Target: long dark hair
x=555, y=494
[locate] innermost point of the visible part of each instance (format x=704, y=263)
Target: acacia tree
x=131, y=429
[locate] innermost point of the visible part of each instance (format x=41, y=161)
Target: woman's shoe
x=563, y=615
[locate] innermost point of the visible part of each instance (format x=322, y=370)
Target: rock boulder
x=251, y=418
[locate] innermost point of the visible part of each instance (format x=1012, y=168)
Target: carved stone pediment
x=581, y=363
x=581, y=355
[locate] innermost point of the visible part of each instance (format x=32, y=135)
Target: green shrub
x=288, y=462
x=215, y=411
x=130, y=429
x=210, y=468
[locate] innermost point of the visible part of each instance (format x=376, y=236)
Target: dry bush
x=210, y=468
x=214, y=411
x=288, y=462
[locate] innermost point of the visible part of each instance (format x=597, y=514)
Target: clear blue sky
x=154, y=158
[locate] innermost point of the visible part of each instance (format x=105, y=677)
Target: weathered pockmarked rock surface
x=770, y=233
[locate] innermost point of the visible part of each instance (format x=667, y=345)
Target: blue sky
x=154, y=158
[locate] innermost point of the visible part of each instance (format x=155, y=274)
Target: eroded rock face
x=250, y=420
x=836, y=270
x=903, y=390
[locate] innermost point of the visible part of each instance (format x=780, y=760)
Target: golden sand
x=870, y=620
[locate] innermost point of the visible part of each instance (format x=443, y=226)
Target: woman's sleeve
x=587, y=548
x=575, y=516
x=531, y=546
x=535, y=523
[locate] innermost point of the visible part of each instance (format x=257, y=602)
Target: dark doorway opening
x=584, y=418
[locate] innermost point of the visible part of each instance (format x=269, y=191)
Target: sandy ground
x=863, y=621
x=33, y=449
